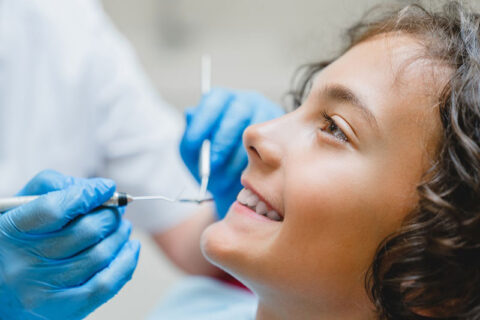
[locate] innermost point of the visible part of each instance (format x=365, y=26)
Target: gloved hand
x=222, y=116
x=60, y=258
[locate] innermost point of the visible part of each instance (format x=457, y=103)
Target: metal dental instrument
x=119, y=199
x=204, y=168
x=204, y=163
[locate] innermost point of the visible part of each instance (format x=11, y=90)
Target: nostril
x=252, y=148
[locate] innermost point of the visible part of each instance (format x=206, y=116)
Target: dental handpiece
x=119, y=199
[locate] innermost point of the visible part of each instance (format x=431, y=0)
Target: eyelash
x=332, y=126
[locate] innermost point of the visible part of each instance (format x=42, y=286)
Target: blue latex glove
x=57, y=261
x=222, y=116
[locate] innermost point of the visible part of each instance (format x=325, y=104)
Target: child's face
x=341, y=189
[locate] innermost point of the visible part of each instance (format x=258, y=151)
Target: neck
x=283, y=310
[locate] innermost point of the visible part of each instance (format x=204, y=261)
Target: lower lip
x=244, y=210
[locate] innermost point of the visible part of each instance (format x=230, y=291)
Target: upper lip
x=247, y=185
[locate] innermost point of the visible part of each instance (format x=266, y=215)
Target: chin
x=224, y=248
x=241, y=244
x=218, y=245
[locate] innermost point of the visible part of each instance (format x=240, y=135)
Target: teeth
x=274, y=215
x=243, y=196
x=248, y=198
x=261, y=208
x=252, y=200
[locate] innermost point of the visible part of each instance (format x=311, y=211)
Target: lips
x=249, y=198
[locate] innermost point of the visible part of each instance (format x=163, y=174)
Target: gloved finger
x=80, y=234
x=85, y=265
x=79, y=301
x=228, y=134
x=189, y=113
x=189, y=155
x=121, y=210
x=105, y=284
x=46, y=181
x=231, y=171
x=223, y=205
x=54, y=210
x=226, y=181
x=206, y=116
x=200, y=122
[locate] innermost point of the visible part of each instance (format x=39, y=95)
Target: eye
x=332, y=128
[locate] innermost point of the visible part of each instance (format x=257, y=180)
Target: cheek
x=336, y=218
x=337, y=211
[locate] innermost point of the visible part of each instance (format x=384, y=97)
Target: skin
x=339, y=197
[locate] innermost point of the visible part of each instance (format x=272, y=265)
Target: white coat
x=73, y=98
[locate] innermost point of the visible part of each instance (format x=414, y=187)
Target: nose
x=263, y=143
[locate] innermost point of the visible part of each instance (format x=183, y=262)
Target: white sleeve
x=137, y=132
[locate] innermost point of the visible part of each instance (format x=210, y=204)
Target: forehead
x=386, y=66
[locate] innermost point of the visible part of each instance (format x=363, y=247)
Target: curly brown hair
x=430, y=268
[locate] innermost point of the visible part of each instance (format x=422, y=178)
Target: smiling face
x=341, y=171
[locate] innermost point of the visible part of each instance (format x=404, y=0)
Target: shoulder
x=62, y=38
x=55, y=11
x=52, y=23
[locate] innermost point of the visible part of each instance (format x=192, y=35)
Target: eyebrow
x=345, y=95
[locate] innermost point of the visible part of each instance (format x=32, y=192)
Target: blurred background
x=254, y=45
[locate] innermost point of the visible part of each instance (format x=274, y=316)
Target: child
x=363, y=203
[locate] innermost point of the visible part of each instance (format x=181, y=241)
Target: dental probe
x=204, y=168
x=204, y=163
x=119, y=199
